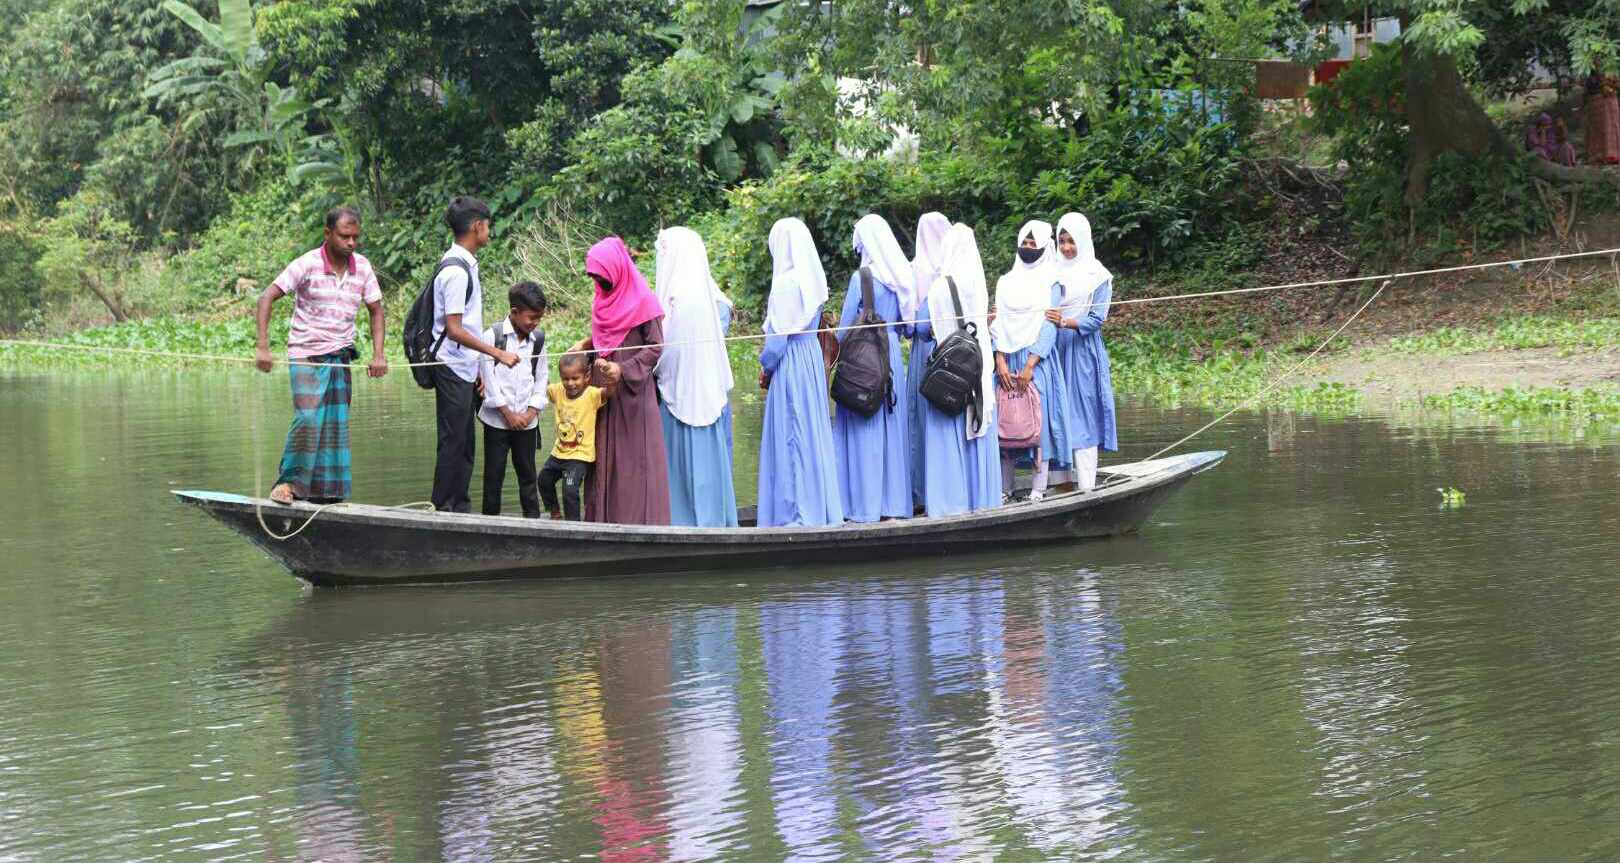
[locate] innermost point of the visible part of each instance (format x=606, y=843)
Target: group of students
x=642, y=410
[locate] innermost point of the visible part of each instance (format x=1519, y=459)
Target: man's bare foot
x=282, y=494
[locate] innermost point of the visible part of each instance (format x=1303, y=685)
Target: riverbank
x=1541, y=340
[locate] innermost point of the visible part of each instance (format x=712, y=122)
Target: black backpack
x=417, y=336
x=861, y=380
x=952, y=378
x=503, y=332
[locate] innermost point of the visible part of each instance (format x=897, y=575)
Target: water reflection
x=1301, y=657
x=825, y=721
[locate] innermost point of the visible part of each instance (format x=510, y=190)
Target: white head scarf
x=1082, y=274
x=1024, y=293
x=798, y=283
x=926, y=266
x=961, y=262
x=880, y=251
x=694, y=374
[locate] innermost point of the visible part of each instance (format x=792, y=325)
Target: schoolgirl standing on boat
x=1024, y=341
x=694, y=383
x=798, y=479
x=1087, y=290
x=961, y=469
x=925, y=267
x=874, y=460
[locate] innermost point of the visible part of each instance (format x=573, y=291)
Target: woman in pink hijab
x=630, y=484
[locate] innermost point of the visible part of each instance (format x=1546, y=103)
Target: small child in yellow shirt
x=575, y=403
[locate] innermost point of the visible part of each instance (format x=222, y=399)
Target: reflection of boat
x=360, y=544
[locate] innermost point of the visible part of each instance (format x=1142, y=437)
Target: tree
x=1441, y=44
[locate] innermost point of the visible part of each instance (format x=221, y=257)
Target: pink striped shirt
x=324, y=305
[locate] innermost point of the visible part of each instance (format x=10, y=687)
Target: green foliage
x=1588, y=406
x=1478, y=201
x=243, y=250
x=19, y=282
x=1518, y=332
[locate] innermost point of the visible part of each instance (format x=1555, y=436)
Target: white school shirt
x=516, y=387
x=450, y=298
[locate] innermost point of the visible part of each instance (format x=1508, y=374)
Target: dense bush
x=1479, y=200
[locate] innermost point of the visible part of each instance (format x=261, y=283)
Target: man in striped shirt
x=328, y=284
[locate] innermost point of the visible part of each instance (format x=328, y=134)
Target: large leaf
x=765, y=156
x=194, y=19
x=727, y=163
x=243, y=137
x=236, y=27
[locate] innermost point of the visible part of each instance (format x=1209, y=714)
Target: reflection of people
x=574, y=451
x=328, y=285
x=694, y=383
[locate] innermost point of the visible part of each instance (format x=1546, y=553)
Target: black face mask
x=1028, y=255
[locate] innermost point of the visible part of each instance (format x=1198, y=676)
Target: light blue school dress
x=922, y=347
x=701, y=493
x=874, y=453
x=1054, y=390
x=798, y=480
x=942, y=478
x=1084, y=359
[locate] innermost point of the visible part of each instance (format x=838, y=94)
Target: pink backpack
x=1018, y=418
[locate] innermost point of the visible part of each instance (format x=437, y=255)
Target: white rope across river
x=1320, y=283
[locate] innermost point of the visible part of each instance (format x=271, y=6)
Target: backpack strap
x=501, y=335
x=534, y=355
x=972, y=331
x=956, y=302
x=867, y=298
x=446, y=263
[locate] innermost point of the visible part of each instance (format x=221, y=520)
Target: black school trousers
x=522, y=444
x=454, y=402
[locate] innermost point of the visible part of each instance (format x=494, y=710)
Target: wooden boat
x=361, y=544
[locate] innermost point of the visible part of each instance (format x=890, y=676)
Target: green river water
x=1302, y=656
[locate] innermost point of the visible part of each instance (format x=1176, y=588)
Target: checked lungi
x=315, y=461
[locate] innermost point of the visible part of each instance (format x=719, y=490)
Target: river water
x=1302, y=656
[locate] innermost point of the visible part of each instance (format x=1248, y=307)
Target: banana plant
x=227, y=78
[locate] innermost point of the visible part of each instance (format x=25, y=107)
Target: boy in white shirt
x=513, y=398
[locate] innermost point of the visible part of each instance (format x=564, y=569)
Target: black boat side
x=360, y=544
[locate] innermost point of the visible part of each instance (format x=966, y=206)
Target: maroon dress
x=630, y=484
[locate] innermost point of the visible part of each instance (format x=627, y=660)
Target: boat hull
x=355, y=544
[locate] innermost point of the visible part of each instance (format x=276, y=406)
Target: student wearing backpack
x=1024, y=340
x=961, y=468
x=694, y=383
x=513, y=399
x=874, y=459
x=798, y=478
x=458, y=321
x=926, y=266
x=1087, y=289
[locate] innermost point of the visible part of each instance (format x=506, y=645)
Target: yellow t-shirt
x=576, y=423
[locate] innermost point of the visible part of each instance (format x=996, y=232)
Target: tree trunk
x=113, y=304
x=1443, y=118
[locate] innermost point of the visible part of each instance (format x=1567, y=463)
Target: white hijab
x=930, y=259
x=694, y=374
x=961, y=262
x=880, y=252
x=1024, y=293
x=1082, y=274
x=798, y=283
